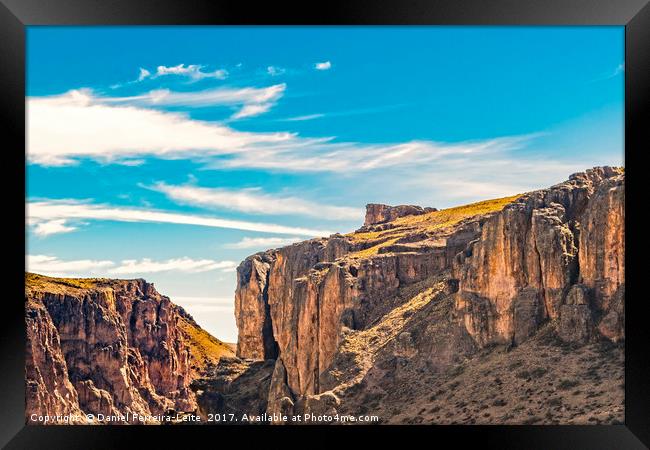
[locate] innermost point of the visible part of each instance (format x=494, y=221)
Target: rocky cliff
x=383, y=315
x=110, y=347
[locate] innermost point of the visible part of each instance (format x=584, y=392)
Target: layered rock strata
x=508, y=267
x=108, y=347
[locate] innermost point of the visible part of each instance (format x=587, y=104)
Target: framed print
x=388, y=218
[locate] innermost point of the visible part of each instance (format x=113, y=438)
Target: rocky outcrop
x=106, y=347
x=378, y=213
x=48, y=389
x=328, y=311
x=520, y=271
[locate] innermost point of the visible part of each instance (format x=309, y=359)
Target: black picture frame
x=15, y=15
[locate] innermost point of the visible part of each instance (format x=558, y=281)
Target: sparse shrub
x=499, y=402
x=567, y=384
x=538, y=372
x=523, y=374
x=456, y=370
x=555, y=401
x=531, y=420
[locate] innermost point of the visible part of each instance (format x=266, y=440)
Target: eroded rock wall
x=529, y=256
x=551, y=255
x=109, y=350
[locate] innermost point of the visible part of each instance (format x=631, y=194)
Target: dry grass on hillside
x=430, y=222
x=206, y=350
x=59, y=285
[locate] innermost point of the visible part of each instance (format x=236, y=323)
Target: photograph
x=325, y=225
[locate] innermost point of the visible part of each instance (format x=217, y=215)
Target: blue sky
x=172, y=153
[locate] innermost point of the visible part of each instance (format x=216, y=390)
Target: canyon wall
x=549, y=243
x=553, y=255
x=106, y=347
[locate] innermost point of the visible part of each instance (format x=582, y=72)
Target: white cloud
x=256, y=202
x=263, y=242
x=63, y=128
x=54, y=266
x=303, y=118
x=619, y=69
x=325, y=65
x=208, y=97
x=274, y=70
x=252, y=110
x=328, y=156
x=184, y=264
x=77, y=124
x=193, y=71
x=49, y=227
x=144, y=73
x=70, y=210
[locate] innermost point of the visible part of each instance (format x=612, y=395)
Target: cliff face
x=533, y=253
x=428, y=289
x=109, y=347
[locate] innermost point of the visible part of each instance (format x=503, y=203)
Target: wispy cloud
x=303, y=118
x=252, y=110
x=275, y=70
x=193, y=71
x=612, y=74
x=67, y=211
x=470, y=179
x=64, y=128
x=255, y=201
x=262, y=242
x=325, y=65
x=144, y=73
x=49, y=227
x=54, y=266
x=344, y=157
x=78, y=124
x=184, y=264
x=208, y=97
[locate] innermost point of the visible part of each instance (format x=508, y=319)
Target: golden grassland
x=433, y=221
x=204, y=348
x=36, y=281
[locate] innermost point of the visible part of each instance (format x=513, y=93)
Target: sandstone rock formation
x=111, y=347
x=528, y=257
x=378, y=213
x=423, y=291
